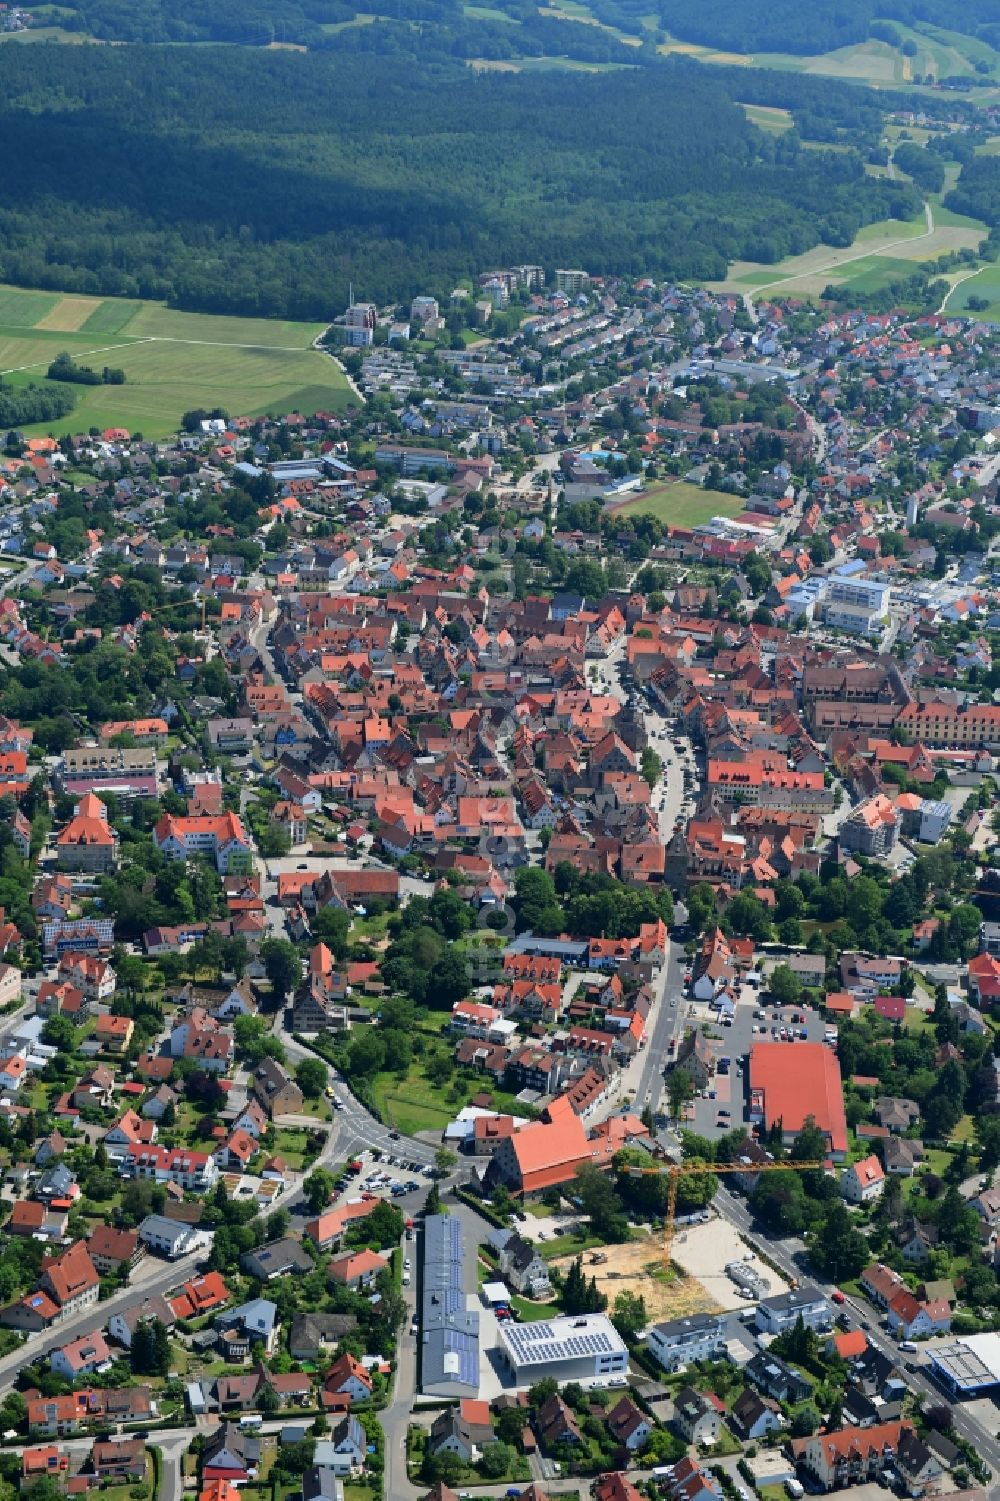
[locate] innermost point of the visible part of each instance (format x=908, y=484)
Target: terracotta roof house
x=88, y=843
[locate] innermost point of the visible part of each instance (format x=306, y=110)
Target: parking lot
x=396, y=1179
x=755, y=1020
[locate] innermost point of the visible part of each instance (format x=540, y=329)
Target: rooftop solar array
x=450, y=1348
x=562, y=1339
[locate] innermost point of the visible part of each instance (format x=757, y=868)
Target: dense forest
x=20, y=405
x=261, y=182
x=807, y=28
x=738, y=25
x=977, y=191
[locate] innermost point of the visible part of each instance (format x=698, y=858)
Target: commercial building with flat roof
x=791, y=1082
x=577, y=1348
x=968, y=1366
x=449, y=1336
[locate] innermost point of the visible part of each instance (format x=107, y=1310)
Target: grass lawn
x=318, y=1109
x=568, y=1245
x=290, y=1145
x=727, y=1444
x=370, y=929
x=964, y=1131
x=358, y=1492
x=533, y=1313
x=935, y=1161
x=413, y=1103
x=682, y=504
x=172, y=360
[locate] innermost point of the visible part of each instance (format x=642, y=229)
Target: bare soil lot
x=637, y=1267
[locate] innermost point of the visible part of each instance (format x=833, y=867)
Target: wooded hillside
x=232, y=180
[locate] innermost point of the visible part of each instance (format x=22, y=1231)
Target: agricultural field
x=880, y=252
x=572, y=10
x=869, y=62
x=704, y=54
x=768, y=117
x=172, y=360
x=985, y=283
x=682, y=504
x=939, y=53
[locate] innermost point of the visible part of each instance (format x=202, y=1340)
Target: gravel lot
x=704, y=1250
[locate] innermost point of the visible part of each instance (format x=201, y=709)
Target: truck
x=794, y=1487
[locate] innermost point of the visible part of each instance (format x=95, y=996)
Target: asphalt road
x=354, y=1128
x=150, y=1279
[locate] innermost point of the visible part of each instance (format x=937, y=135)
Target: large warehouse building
x=789, y=1082
x=449, y=1336
x=577, y=1348
x=968, y=1367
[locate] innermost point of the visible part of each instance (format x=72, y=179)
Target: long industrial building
x=449, y=1337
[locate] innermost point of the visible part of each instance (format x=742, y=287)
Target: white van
x=908, y=1345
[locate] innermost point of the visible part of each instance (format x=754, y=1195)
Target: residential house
x=170, y=1238
x=230, y=1454
x=697, y=1418
x=850, y=1456
x=356, y=1269
x=348, y=1377
x=465, y=1430
x=629, y=1425
x=680, y=1342
x=123, y=1324
x=312, y=1334
x=863, y=1182
x=754, y=1417
x=782, y=1312
x=276, y=1090
x=345, y=1450
x=119, y=1459
x=523, y=1267
x=556, y=1424
x=776, y=1379
x=81, y=1357
x=111, y=1249
x=279, y=1258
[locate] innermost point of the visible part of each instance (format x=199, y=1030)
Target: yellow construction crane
x=674, y=1171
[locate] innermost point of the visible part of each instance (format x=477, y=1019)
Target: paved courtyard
x=705, y=1250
